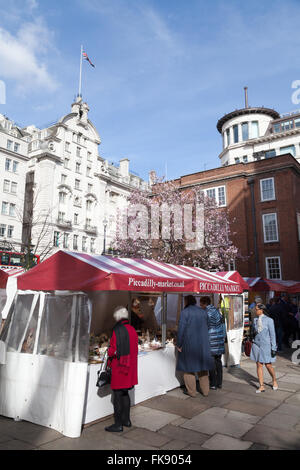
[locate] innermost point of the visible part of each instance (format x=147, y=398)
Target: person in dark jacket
x=123, y=351
x=217, y=334
x=276, y=312
x=194, y=355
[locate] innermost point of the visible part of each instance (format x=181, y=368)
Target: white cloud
x=22, y=57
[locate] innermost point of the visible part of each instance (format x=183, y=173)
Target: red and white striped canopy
x=236, y=277
x=10, y=271
x=83, y=272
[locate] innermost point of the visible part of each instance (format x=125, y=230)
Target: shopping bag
x=104, y=374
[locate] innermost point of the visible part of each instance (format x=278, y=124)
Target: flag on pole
x=85, y=56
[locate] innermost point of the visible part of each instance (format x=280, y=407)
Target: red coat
x=124, y=377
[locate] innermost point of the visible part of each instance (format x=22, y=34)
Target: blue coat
x=264, y=341
x=216, y=331
x=192, y=337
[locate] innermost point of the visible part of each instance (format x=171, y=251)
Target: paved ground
x=232, y=418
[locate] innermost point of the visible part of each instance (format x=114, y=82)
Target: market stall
x=59, y=324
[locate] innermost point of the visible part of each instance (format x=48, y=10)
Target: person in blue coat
x=217, y=335
x=264, y=347
x=194, y=355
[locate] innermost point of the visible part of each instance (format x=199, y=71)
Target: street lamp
x=105, y=222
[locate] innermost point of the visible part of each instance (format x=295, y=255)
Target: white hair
x=119, y=313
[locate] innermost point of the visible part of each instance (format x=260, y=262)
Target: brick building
x=263, y=203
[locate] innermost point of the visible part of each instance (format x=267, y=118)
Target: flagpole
x=80, y=72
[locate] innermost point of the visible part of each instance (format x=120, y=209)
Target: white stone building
x=256, y=133
x=13, y=167
x=72, y=193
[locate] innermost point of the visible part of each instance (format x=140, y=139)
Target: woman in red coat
x=123, y=351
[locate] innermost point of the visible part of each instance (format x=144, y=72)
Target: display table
x=156, y=375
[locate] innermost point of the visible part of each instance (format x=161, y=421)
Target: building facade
x=250, y=134
x=262, y=199
x=70, y=193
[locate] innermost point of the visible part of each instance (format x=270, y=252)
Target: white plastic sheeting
x=43, y=390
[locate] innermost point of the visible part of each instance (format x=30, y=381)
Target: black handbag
x=273, y=353
x=104, y=374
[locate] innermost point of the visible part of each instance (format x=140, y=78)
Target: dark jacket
x=216, y=331
x=193, y=338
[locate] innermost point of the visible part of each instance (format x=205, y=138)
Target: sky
x=166, y=71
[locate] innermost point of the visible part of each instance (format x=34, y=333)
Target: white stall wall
x=44, y=390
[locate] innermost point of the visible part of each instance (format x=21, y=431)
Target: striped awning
x=84, y=272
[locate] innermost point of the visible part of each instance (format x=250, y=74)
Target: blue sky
x=166, y=70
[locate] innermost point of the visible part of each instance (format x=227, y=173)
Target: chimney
x=246, y=97
x=124, y=167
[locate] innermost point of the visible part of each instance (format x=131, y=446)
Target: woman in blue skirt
x=263, y=349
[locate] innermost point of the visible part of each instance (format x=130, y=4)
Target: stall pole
x=164, y=320
x=129, y=306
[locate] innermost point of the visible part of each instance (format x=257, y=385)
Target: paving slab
x=186, y=409
x=188, y=435
x=151, y=419
x=33, y=434
x=147, y=437
x=292, y=378
x=291, y=410
x=177, y=393
x=280, y=421
x=210, y=422
x=294, y=399
x=174, y=445
x=221, y=442
x=255, y=409
x=258, y=447
x=16, y=445
x=272, y=437
x=255, y=398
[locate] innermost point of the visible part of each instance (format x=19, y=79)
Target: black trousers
x=216, y=374
x=121, y=406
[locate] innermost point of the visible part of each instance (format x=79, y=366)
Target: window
x=75, y=242
x=88, y=222
x=218, y=194
x=84, y=240
x=92, y=245
x=16, y=147
x=78, y=150
x=10, y=231
x=78, y=138
x=12, y=210
x=89, y=156
x=245, y=131
x=15, y=167
x=77, y=184
x=90, y=188
x=228, y=136
x=270, y=228
x=63, y=179
x=297, y=122
x=270, y=153
x=236, y=160
x=5, y=206
x=267, y=190
x=286, y=125
x=74, y=137
x=235, y=133
x=66, y=240
x=245, y=159
x=56, y=239
x=9, y=145
x=67, y=146
x=78, y=167
x=88, y=171
x=289, y=149
x=62, y=198
x=61, y=216
x=6, y=186
x=231, y=265
x=76, y=219
x=2, y=230
x=8, y=164
x=66, y=162
x=273, y=268
x=14, y=187
x=254, y=129
x=89, y=205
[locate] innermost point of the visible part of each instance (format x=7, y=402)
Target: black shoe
x=127, y=424
x=114, y=428
x=219, y=386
